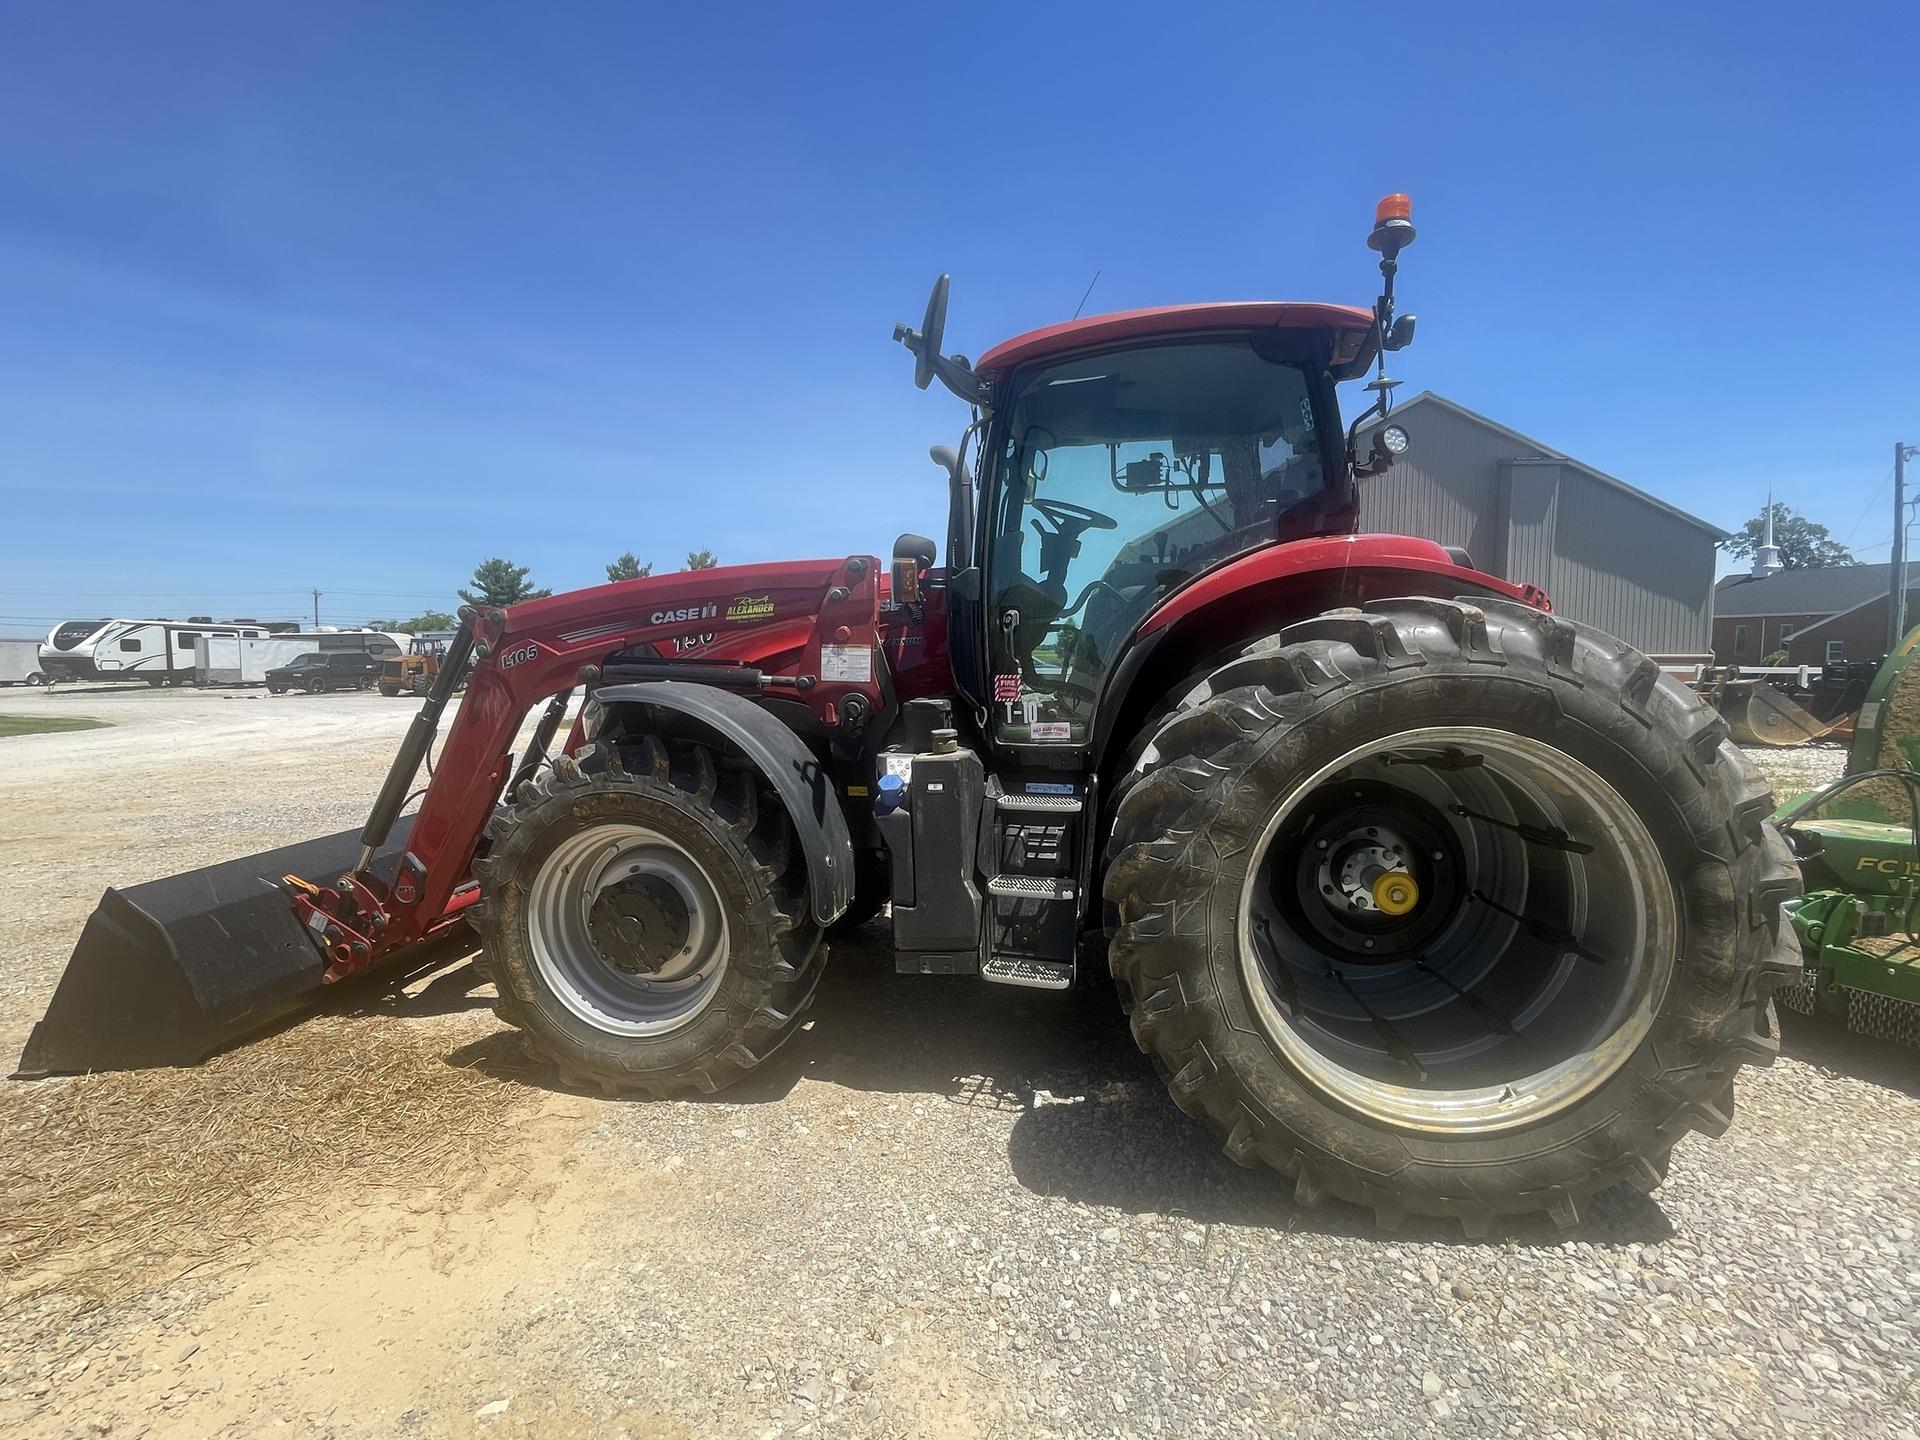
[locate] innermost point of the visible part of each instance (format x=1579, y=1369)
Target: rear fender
x=1201, y=625
x=796, y=774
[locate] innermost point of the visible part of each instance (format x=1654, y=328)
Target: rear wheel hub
x=1457, y=930
x=1375, y=870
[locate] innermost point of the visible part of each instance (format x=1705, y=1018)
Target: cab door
x=1119, y=478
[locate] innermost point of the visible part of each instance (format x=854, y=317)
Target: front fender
x=797, y=776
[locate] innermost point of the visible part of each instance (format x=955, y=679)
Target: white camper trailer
x=20, y=663
x=159, y=652
x=244, y=660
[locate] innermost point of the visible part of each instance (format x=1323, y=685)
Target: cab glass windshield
x=1121, y=477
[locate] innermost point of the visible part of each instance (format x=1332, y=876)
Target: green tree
x=425, y=620
x=701, y=560
x=500, y=582
x=1803, y=544
x=628, y=567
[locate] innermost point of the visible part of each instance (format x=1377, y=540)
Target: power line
x=1867, y=509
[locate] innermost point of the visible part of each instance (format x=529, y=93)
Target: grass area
x=45, y=724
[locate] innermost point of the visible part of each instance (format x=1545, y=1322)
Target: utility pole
x=316, y=604
x=1897, y=581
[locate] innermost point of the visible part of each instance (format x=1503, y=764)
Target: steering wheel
x=1066, y=516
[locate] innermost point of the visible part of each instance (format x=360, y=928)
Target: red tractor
x=1415, y=892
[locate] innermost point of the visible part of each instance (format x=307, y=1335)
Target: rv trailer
x=244, y=660
x=20, y=663
x=159, y=652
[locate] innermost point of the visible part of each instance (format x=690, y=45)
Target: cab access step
x=989, y=876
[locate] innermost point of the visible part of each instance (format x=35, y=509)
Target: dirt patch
x=45, y=724
x=343, y=1168
x=154, y=1174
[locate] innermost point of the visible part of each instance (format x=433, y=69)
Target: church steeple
x=1766, y=559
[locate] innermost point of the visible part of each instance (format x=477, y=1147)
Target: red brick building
x=1815, y=616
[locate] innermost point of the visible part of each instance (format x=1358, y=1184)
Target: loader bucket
x=170, y=971
x=1758, y=714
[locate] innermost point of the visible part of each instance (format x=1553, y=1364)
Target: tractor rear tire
x=1604, y=936
x=709, y=864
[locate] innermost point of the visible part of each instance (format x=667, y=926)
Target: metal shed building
x=1608, y=554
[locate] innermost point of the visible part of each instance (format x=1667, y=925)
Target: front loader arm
x=541, y=650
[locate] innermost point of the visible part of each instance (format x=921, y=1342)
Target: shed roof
x=1532, y=449
x=1800, y=592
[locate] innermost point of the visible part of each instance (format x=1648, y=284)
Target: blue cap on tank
x=888, y=794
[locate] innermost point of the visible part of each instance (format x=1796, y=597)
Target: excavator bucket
x=170, y=971
x=1758, y=714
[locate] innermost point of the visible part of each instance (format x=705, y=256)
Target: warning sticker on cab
x=1006, y=688
x=1050, y=730
x=847, y=664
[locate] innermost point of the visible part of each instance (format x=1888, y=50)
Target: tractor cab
x=1117, y=472
x=1119, y=458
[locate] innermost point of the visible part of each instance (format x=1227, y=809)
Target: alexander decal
x=750, y=607
x=686, y=613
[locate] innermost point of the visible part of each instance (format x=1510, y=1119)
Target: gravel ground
x=942, y=1210
x=1800, y=768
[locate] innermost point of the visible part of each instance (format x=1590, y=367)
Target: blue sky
x=353, y=296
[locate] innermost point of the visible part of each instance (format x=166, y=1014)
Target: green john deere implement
x=1858, y=844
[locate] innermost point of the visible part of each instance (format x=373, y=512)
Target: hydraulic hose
x=406, y=763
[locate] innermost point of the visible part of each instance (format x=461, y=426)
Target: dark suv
x=335, y=670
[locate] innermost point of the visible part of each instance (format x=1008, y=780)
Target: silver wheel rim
x=560, y=904
x=1534, y=988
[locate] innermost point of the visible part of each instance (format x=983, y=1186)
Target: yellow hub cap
x=1395, y=893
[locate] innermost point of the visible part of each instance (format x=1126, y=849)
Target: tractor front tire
x=1449, y=908
x=645, y=919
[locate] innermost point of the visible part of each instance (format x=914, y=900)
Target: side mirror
x=924, y=343
x=954, y=371
x=1401, y=335
x=933, y=333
